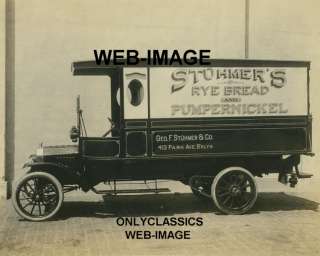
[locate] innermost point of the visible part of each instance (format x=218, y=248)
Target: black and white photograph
x=159, y=127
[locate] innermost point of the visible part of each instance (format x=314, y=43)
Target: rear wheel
x=37, y=196
x=234, y=190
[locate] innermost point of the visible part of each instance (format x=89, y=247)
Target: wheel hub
x=235, y=190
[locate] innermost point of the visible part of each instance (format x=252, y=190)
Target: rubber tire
x=53, y=179
x=215, y=182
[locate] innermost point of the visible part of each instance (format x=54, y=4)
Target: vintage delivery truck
x=213, y=128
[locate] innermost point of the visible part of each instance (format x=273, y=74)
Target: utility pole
x=246, y=35
x=9, y=93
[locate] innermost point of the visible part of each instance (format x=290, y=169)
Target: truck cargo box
x=231, y=107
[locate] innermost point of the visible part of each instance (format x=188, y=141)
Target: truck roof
x=92, y=68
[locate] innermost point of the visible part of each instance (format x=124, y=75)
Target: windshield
x=95, y=104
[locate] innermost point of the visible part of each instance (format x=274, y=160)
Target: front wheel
x=234, y=190
x=37, y=196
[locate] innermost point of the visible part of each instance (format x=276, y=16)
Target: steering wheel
x=113, y=125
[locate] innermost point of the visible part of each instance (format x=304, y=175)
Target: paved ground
x=284, y=221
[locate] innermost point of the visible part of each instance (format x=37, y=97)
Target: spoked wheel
x=234, y=190
x=37, y=196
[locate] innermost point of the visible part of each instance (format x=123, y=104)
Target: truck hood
x=57, y=150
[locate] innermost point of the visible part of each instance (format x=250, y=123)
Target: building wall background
x=52, y=34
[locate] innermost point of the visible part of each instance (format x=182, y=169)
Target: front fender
x=63, y=173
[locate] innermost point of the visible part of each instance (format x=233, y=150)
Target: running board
x=304, y=175
x=130, y=191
